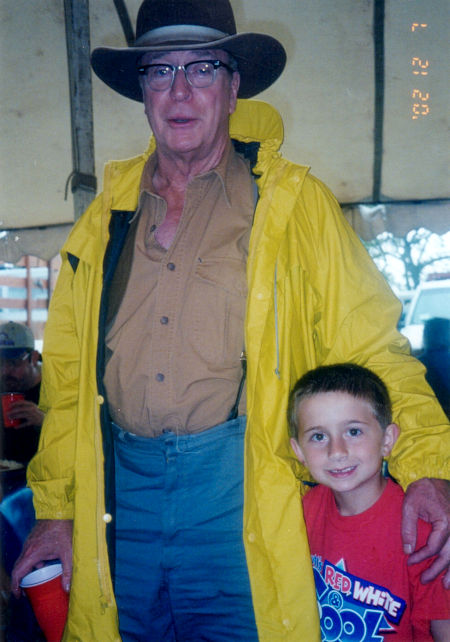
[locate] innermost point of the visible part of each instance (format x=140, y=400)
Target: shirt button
x=160, y=376
x=153, y=228
x=164, y=320
x=107, y=518
x=171, y=266
x=251, y=537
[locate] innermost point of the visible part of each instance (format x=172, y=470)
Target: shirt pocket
x=216, y=307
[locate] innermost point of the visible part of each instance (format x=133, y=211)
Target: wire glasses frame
x=6, y=363
x=199, y=74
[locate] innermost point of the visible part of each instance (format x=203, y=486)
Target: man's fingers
x=66, y=579
x=440, y=564
x=22, y=567
x=436, y=542
x=446, y=579
x=434, y=570
x=30, y=559
x=428, y=499
x=409, y=527
x=49, y=540
x=28, y=413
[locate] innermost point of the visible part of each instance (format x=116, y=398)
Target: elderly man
x=199, y=251
x=20, y=371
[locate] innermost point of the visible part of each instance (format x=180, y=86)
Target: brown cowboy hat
x=168, y=25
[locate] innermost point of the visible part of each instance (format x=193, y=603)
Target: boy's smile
x=342, y=444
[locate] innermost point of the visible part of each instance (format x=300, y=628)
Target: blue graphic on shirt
x=352, y=609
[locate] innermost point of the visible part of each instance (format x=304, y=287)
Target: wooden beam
x=84, y=182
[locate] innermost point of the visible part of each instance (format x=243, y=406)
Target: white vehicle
x=431, y=299
x=405, y=297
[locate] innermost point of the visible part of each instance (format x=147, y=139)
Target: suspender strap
x=235, y=409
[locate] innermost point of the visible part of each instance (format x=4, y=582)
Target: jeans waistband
x=185, y=442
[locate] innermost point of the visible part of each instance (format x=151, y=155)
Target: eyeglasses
x=199, y=74
x=13, y=363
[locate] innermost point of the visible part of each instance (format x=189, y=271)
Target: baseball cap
x=15, y=338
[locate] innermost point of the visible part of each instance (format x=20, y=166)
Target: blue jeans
x=181, y=572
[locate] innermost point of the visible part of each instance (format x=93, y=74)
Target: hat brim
x=261, y=60
x=13, y=353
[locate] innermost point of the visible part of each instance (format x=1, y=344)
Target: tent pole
x=379, y=66
x=83, y=180
x=125, y=21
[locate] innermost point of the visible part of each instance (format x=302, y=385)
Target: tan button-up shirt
x=176, y=341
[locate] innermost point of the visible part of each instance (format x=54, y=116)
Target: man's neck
x=174, y=171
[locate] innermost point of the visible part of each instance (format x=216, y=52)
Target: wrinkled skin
x=428, y=499
x=50, y=539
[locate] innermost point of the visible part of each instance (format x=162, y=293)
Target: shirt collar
x=223, y=171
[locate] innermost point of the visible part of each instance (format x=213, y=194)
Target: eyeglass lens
x=199, y=74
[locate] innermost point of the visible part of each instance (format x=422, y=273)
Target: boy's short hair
x=341, y=377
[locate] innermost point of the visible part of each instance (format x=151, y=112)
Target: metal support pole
x=84, y=182
x=29, y=288
x=125, y=21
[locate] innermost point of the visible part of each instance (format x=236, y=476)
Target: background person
x=20, y=371
x=341, y=428
x=436, y=358
x=168, y=276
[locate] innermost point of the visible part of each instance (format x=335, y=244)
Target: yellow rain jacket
x=314, y=297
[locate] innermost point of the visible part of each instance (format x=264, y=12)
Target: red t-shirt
x=365, y=589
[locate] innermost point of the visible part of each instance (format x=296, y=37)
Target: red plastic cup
x=8, y=400
x=49, y=600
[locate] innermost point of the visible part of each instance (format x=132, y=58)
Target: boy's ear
x=298, y=451
x=390, y=437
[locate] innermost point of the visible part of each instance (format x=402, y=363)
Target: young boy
x=341, y=428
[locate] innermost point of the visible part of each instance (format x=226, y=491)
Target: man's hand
x=428, y=499
x=27, y=412
x=50, y=539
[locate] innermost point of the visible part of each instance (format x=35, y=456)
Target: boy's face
x=341, y=442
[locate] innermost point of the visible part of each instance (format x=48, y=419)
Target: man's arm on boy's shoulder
x=440, y=630
x=428, y=499
x=346, y=332
x=430, y=602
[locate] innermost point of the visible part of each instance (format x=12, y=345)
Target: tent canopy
x=363, y=97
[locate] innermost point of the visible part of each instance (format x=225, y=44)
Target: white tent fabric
x=367, y=147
